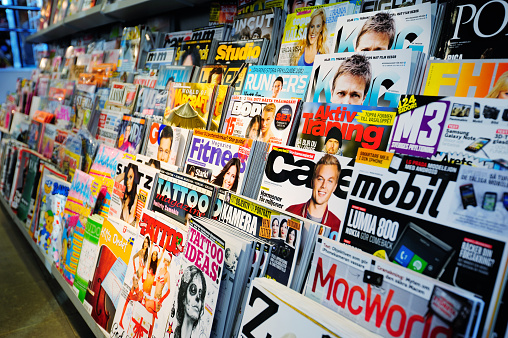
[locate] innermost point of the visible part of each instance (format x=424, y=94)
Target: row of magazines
x=432, y=234
x=187, y=186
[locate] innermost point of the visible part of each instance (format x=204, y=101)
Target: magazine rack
x=96, y=329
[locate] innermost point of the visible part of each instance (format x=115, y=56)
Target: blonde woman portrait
x=500, y=89
x=315, y=41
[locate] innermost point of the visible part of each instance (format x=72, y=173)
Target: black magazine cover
x=475, y=30
x=178, y=196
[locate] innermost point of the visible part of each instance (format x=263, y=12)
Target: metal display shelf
x=119, y=11
x=96, y=329
x=91, y=18
x=53, y=32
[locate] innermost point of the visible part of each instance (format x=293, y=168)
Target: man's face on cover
x=371, y=40
x=276, y=88
x=332, y=146
x=164, y=149
x=300, y=4
x=324, y=183
x=266, y=120
x=348, y=89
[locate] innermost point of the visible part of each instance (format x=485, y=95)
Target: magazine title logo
x=320, y=123
x=360, y=302
x=217, y=156
x=204, y=254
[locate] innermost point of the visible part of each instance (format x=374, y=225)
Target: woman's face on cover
x=127, y=133
x=193, y=303
x=292, y=236
x=284, y=230
x=229, y=177
x=503, y=94
x=275, y=228
x=315, y=28
x=145, y=243
x=130, y=179
x=253, y=133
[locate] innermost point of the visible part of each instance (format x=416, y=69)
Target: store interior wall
x=8, y=77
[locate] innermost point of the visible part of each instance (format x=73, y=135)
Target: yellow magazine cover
x=189, y=105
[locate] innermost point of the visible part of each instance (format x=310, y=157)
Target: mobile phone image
x=505, y=200
x=467, y=195
x=420, y=251
x=478, y=144
x=489, y=201
x=476, y=110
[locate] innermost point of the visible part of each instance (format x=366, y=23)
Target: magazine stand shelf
x=91, y=18
x=96, y=329
x=119, y=11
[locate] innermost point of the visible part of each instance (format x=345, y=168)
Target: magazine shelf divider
x=98, y=332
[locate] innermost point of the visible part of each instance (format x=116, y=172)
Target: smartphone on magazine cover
x=478, y=144
x=476, y=110
x=421, y=251
x=467, y=195
x=505, y=200
x=489, y=201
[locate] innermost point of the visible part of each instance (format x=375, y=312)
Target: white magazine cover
x=261, y=118
x=198, y=288
x=151, y=280
x=219, y=159
x=293, y=182
x=310, y=28
x=407, y=210
x=275, y=311
x=461, y=130
x=344, y=78
x=412, y=304
x=406, y=27
x=163, y=142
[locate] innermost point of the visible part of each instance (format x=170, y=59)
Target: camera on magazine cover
x=505, y=115
x=490, y=112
